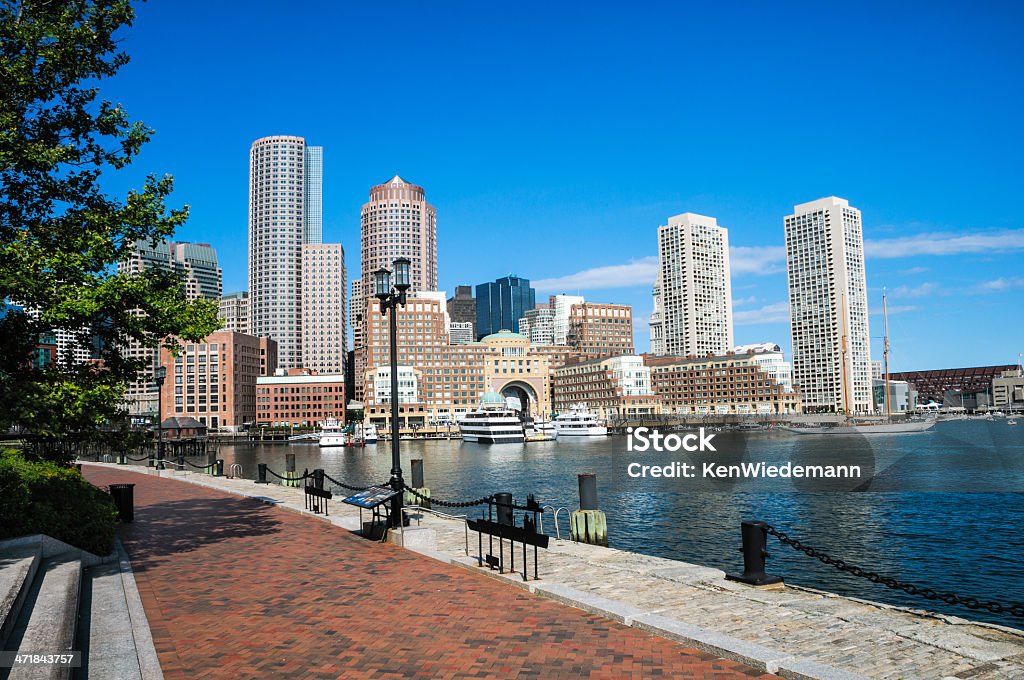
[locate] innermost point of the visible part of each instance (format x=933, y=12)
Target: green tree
x=62, y=235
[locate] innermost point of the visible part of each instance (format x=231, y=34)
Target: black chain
x=198, y=467
x=146, y=457
x=334, y=481
x=447, y=504
x=304, y=475
x=1012, y=608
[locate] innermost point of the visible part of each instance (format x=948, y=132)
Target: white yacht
x=332, y=433
x=544, y=427
x=579, y=422
x=369, y=433
x=492, y=423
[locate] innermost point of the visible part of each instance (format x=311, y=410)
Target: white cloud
x=945, y=244
x=761, y=260
x=914, y=270
x=923, y=290
x=634, y=273
x=777, y=312
x=739, y=302
x=1000, y=284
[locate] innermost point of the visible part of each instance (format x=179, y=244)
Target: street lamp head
x=402, y=274
x=382, y=283
x=159, y=374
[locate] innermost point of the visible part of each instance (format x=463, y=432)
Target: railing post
x=755, y=551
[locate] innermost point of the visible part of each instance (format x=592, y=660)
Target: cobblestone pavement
x=235, y=589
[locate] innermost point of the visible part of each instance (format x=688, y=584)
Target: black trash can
x=124, y=500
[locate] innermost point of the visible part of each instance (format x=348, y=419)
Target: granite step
x=18, y=568
x=48, y=619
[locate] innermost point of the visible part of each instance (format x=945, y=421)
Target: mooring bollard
x=122, y=458
x=292, y=479
x=151, y=461
x=755, y=550
x=503, y=503
x=318, y=478
x=211, y=463
x=588, y=524
x=262, y=475
x=181, y=461
x=220, y=467
x=417, y=483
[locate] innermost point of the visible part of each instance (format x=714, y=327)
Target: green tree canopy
x=62, y=235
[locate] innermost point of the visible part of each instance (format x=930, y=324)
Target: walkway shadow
x=174, y=527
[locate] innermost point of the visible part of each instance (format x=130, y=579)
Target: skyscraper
x=197, y=263
x=462, y=307
x=828, y=306
x=501, y=304
x=396, y=222
x=693, y=288
x=284, y=213
x=324, y=338
x=234, y=312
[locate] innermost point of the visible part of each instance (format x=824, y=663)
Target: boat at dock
x=492, y=423
x=911, y=427
x=332, y=433
x=579, y=422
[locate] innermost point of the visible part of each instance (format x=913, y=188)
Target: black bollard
x=588, y=491
x=755, y=550
x=417, y=473
x=289, y=470
x=211, y=462
x=220, y=467
x=262, y=479
x=181, y=460
x=503, y=501
x=318, y=478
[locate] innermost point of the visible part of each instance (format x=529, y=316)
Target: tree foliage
x=62, y=235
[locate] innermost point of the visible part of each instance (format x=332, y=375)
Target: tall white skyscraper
x=324, y=338
x=694, y=286
x=285, y=212
x=828, y=306
x=562, y=306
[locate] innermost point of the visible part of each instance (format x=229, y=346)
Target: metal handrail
x=558, y=532
x=236, y=468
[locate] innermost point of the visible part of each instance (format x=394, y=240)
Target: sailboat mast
x=885, y=357
x=843, y=385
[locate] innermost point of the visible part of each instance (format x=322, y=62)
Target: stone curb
x=149, y=662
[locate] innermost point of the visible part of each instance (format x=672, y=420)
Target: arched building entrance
x=525, y=393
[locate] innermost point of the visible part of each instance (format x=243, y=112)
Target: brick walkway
x=237, y=589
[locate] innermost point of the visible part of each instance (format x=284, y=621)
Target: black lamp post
x=159, y=374
x=391, y=298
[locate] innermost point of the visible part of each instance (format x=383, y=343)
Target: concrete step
x=105, y=635
x=49, y=617
x=18, y=566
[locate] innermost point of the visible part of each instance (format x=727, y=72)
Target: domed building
x=514, y=368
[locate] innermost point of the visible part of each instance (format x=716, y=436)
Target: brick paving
x=236, y=589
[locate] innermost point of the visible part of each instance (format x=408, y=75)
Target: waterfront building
x=953, y=383
x=197, y=264
x=324, y=335
x=396, y=222
x=612, y=387
x=599, y=330
x=657, y=321
x=538, y=324
x=769, y=356
x=1008, y=390
x=284, y=213
x=731, y=384
x=301, y=398
x=828, y=306
x=234, y=312
x=462, y=307
x=268, y=356
x=450, y=379
x=461, y=332
x=500, y=305
x=408, y=385
x=694, y=288
x=562, y=305
x=901, y=395
x=213, y=381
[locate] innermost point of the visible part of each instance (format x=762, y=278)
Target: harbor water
x=943, y=509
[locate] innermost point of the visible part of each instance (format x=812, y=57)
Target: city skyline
x=938, y=230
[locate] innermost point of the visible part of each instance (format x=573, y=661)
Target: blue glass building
x=501, y=304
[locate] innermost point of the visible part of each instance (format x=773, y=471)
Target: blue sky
x=554, y=138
